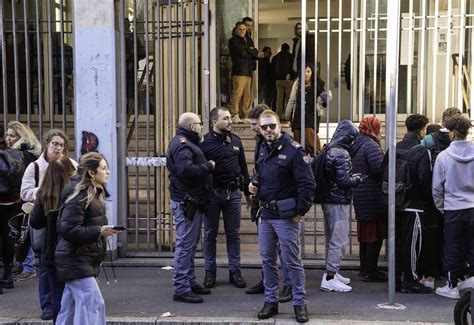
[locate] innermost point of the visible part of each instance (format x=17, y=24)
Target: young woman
x=82, y=228
x=20, y=145
x=293, y=109
x=45, y=212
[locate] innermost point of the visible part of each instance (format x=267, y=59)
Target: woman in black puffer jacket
x=371, y=213
x=82, y=228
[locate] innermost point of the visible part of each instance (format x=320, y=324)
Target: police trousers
x=187, y=238
x=82, y=303
x=285, y=232
x=336, y=230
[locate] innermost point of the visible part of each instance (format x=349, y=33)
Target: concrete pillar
x=95, y=81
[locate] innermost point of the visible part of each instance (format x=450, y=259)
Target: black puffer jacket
x=367, y=157
x=339, y=165
x=243, y=56
x=13, y=163
x=81, y=248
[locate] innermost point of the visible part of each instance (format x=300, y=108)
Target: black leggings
x=6, y=212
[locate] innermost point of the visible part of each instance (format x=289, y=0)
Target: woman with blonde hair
x=19, y=135
x=82, y=228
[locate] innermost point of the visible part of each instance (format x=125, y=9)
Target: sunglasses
x=266, y=126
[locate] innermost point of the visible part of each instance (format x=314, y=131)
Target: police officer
x=230, y=176
x=190, y=175
x=285, y=189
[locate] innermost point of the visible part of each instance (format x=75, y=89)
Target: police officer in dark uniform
x=230, y=177
x=285, y=189
x=190, y=175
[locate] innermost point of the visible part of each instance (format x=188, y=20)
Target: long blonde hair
x=25, y=135
x=88, y=162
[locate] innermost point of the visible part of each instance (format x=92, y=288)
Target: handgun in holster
x=191, y=204
x=254, y=211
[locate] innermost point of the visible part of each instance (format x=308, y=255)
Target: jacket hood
x=345, y=133
x=69, y=189
x=35, y=150
x=190, y=135
x=461, y=151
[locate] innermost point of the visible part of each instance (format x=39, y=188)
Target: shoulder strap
x=36, y=174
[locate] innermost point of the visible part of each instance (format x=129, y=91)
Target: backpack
x=440, y=143
x=403, y=182
x=323, y=184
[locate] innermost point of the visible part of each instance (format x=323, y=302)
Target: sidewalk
x=143, y=294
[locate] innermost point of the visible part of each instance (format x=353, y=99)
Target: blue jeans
x=82, y=303
x=285, y=232
x=229, y=204
x=50, y=288
x=187, y=238
x=29, y=262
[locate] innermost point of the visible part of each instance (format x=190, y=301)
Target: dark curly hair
x=257, y=110
x=460, y=126
x=450, y=113
x=416, y=122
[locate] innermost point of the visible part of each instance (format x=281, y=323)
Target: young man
x=453, y=194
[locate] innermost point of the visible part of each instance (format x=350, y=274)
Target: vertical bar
x=339, y=62
x=391, y=90
x=193, y=59
x=183, y=59
x=353, y=93
x=147, y=114
x=362, y=59
x=40, y=70
x=410, y=62
x=206, y=66
x=435, y=62
x=50, y=63
x=135, y=121
x=462, y=35
x=27, y=63
x=376, y=44
x=471, y=60
x=448, y=57
x=159, y=112
x=63, y=72
x=302, y=70
x=328, y=63
x=316, y=40
x=15, y=62
x=421, y=61
x=4, y=68
x=170, y=61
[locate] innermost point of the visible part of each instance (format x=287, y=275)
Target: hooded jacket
x=339, y=164
x=13, y=163
x=453, y=175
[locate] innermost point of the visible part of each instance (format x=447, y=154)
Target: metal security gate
x=36, y=64
x=165, y=64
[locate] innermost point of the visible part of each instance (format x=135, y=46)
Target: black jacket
x=420, y=171
x=81, y=249
x=367, y=157
x=243, y=56
x=13, y=164
x=339, y=165
x=282, y=64
x=189, y=170
x=309, y=58
x=309, y=108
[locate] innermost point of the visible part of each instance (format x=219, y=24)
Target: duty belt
x=232, y=186
x=268, y=205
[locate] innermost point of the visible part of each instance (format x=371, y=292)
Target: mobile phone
x=118, y=228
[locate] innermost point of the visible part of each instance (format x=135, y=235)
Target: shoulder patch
x=183, y=140
x=306, y=159
x=296, y=144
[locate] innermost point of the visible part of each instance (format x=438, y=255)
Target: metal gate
x=36, y=64
x=165, y=64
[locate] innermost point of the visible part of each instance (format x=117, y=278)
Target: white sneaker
x=342, y=279
x=428, y=282
x=334, y=285
x=448, y=292
x=245, y=120
x=236, y=119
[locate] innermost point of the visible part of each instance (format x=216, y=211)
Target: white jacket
x=28, y=184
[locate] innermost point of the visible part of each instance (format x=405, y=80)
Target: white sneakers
x=335, y=284
x=428, y=282
x=448, y=292
x=236, y=119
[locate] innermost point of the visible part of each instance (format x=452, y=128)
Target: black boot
x=236, y=279
x=269, y=309
x=362, y=258
x=301, y=313
x=256, y=289
x=199, y=290
x=7, y=279
x=210, y=279
x=189, y=297
x=286, y=294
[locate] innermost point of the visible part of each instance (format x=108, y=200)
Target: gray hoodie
x=453, y=177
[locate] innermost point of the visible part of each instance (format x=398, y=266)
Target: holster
x=191, y=204
x=255, y=209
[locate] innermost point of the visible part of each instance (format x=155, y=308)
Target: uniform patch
x=183, y=140
x=281, y=156
x=307, y=159
x=296, y=144
x=236, y=148
x=279, y=147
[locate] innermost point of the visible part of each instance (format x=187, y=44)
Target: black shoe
x=376, y=276
x=286, y=294
x=189, y=297
x=301, y=313
x=6, y=281
x=269, y=309
x=210, y=279
x=199, y=290
x=256, y=289
x=46, y=315
x=7, y=284
x=415, y=287
x=236, y=279
x=17, y=269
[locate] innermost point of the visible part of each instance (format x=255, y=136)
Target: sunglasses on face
x=266, y=126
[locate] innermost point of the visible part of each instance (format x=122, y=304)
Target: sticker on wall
x=90, y=142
